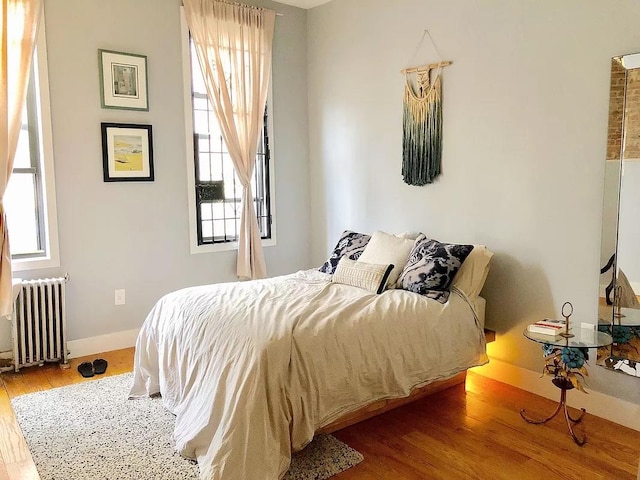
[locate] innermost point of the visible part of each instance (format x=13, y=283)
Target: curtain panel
x=233, y=44
x=20, y=20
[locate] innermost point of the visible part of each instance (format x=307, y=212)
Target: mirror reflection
x=619, y=307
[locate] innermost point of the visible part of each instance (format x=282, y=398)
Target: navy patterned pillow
x=432, y=266
x=351, y=245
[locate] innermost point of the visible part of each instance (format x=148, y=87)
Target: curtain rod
x=243, y=5
x=424, y=68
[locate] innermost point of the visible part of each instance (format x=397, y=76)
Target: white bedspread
x=251, y=369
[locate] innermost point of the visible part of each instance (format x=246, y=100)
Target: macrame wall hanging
x=422, y=123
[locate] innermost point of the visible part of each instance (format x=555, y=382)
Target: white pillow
x=362, y=275
x=473, y=272
x=385, y=249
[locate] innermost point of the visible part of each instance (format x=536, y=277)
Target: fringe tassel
x=422, y=135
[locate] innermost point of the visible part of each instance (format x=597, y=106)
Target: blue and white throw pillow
x=351, y=245
x=432, y=266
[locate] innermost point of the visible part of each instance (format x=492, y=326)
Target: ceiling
x=303, y=3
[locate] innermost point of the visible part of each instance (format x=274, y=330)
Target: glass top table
x=583, y=338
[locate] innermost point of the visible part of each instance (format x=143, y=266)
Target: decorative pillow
x=385, y=249
x=432, y=265
x=363, y=275
x=473, y=273
x=351, y=245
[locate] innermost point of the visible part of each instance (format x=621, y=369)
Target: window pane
x=196, y=73
x=200, y=103
x=205, y=168
x=207, y=229
x=218, y=228
x=231, y=209
x=23, y=155
x=22, y=216
x=203, y=144
x=200, y=121
x=205, y=211
x=216, y=167
x=231, y=228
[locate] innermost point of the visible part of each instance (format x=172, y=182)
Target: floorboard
x=461, y=433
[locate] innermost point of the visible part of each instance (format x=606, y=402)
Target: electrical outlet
x=120, y=298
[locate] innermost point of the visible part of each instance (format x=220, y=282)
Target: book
x=548, y=327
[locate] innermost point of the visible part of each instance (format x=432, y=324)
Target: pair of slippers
x=88, y=369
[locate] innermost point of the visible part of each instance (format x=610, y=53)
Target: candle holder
x=566, y=333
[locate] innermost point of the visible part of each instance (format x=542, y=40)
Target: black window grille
x=218, y=191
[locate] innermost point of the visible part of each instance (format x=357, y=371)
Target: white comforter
x=252, y=369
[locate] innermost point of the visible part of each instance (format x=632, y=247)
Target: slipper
x=86, y=369
x=99, y=366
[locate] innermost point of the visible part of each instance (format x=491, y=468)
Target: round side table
x=583, y=338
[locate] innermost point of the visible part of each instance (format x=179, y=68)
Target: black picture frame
x=127, y=152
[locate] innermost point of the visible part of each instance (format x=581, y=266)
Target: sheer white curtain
x=19, y=26
x=233, y=44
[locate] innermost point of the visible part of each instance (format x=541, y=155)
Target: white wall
x=135, y=235
x=525, y=120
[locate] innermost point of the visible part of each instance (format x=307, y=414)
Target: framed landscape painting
x=123, y=80
x=127, y=152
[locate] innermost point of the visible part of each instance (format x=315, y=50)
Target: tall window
x=30, y=196
x=24, y=194
x=218, y=191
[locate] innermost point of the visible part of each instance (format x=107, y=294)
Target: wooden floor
x=457, y=434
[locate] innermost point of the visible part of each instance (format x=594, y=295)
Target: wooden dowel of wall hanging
x=425, y=68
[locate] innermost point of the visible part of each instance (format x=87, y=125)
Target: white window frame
x=51, y=259
x=191, y=176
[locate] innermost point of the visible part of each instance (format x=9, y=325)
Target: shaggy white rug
x=92, y=431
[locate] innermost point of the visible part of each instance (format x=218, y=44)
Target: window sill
x=23, y=264
x=224, y=247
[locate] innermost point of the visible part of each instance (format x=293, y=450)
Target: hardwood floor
x=475, y=433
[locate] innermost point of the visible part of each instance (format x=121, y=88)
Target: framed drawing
x=127, y=152
x=123, y=80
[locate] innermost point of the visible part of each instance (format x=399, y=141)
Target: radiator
x=39, y=323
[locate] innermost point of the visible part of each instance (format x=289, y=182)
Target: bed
x=253, y=369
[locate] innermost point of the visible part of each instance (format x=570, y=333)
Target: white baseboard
x=102, y=343
x=596, y=403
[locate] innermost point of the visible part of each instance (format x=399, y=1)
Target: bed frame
x=382, y=406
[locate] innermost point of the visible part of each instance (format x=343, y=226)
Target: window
x=30, y=195
x=215, y=191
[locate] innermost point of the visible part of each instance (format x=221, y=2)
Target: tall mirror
x=619, y=308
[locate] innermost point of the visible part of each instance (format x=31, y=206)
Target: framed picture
x=127, y=152
x=123, y=80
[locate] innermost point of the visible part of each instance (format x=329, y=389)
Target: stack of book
x=548, y=327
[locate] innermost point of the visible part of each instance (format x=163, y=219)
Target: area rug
x=92, y=431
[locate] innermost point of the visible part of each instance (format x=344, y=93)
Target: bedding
x=252, y=369
x=432, y=265
x=369, y=276
x=351, y=245
x=384, y=248
x=473, y=272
